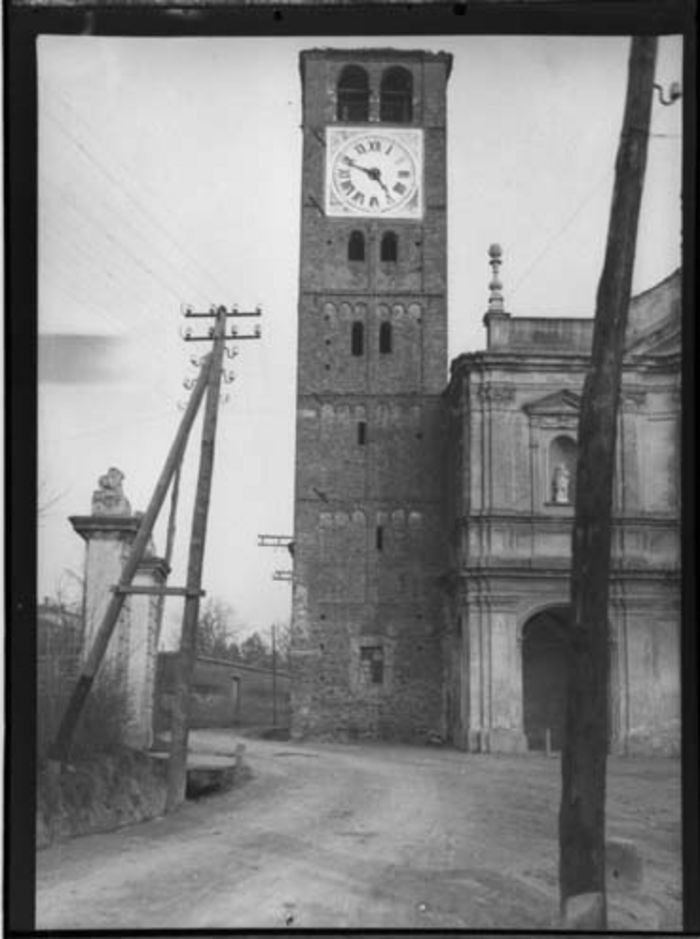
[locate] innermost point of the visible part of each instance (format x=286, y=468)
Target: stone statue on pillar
x=109, y=532
x=109, y=499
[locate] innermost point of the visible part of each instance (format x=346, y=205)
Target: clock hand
x=373, y=172
x=376, y=175
x=363, y=169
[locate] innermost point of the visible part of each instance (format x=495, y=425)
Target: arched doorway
x=545, y=637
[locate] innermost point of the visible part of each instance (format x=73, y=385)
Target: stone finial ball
x=495, y=251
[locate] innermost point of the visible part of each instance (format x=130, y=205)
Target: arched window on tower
x=356, y=246
x=390, y=247
x=396, y=96
x=357, y=341
x=385, y=338
x=353, y=94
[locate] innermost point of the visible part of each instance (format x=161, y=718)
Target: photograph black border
x=23, y=23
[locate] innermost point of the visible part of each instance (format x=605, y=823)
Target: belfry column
x=129, y=662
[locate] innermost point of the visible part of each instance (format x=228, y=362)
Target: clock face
x=374, y=172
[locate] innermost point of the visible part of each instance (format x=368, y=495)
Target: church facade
x=512, y=439
x=432, y=524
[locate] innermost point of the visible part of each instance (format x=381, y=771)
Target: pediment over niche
x=563, y=403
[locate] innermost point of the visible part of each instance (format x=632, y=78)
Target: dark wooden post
x=61, y=746
x=582, y=812
x=185, y=660
x=274, y=678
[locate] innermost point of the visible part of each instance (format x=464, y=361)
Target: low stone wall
x=224, y=694
x=97, y=795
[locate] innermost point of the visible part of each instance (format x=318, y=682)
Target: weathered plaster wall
x=512, y=538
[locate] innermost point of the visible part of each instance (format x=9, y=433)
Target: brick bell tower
x=366, y=653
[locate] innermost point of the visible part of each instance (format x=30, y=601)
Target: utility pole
x=61, y=746
x=274, y=678
x=278, y=541
x=169, y=545
x=584, y=754
x=185, y=661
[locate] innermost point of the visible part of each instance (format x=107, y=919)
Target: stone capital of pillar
x=109, y=526
x=119, y=528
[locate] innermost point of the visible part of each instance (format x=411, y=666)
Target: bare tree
x=217, y=629
x=47, y=500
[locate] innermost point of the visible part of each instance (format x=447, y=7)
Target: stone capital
x=122, y=527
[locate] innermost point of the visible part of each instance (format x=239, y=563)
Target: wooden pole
x=584, y=754
x=61, y=746
x=274, y=678
x=169, y=545
x=185, y=660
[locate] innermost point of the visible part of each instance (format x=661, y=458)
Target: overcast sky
x=169, y=173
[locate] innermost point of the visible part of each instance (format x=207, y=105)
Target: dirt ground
x=359, y=836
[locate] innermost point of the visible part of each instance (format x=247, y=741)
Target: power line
x=108, y=429
x=79, y=252
x=125, y=222
x=92, y=307
x=105, y=315
x=77, y=208
x=124, y=191
x=560, y=231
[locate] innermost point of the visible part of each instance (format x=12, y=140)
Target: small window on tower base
x=372, y=665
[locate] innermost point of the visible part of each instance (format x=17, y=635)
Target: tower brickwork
x=372, y=363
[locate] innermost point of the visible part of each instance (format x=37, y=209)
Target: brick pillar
x=131, y=654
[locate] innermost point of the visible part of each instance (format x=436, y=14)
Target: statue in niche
x=560, y=485
x=109, y=499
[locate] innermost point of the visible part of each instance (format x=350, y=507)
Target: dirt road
x=364, y=836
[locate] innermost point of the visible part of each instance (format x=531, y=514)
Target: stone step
x=207, y=772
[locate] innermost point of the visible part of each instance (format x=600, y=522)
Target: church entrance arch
x=545, y=637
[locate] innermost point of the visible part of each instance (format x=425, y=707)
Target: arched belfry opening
x=353, y=94
x=396, y=96
x=544, y=650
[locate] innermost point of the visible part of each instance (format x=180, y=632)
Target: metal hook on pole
x=674, y=93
